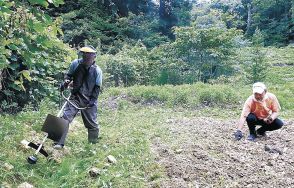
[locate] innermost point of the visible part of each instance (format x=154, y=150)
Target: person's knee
x=279, y=123
x=251, y=118
x=69, y=116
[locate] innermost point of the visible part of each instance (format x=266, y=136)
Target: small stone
x=8, y=166
x=25, y=185
x=270, y=163
x=94, y=172
x=25, y=144
x=178, y=151
x=106, y=165
x=186, y=178
x=105, y=147
x=277, y=151
x=267, y=148
x=111, y=159
x=249, y=185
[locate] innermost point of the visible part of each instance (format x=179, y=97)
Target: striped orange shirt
x=261, y=109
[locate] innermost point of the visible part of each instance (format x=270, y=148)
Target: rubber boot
x=93, y=136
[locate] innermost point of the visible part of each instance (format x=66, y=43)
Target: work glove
x=64, y=85
x=268, y=120
x=238, y=135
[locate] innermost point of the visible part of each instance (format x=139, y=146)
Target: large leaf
x=56, y=2
x=4, y=9
x=43, y=3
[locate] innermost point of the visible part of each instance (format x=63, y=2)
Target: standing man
x=261, y=108
x=86, y=79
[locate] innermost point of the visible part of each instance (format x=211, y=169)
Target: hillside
x=160, y=136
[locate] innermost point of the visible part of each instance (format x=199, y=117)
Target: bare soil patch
x=201, y=152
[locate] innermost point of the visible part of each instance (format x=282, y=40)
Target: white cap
x=258, y=87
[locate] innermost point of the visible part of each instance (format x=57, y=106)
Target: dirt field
x=201, y=152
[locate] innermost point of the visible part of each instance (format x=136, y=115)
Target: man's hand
x=268, y=120
x=91, y=103
x=64, y=85
x=238, y=135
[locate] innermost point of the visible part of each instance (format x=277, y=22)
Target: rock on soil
x=111, y=159
x=94, y=172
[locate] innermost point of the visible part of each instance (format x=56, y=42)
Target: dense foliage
x=31, y=55
x=274, y=18
x=111, y=23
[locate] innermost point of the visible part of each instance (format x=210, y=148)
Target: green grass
x=125, y=134
x=280, y=56
x=183, y=95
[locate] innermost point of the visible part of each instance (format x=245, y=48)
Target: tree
x=256, y=67
x=205, y=50
x=31, y=55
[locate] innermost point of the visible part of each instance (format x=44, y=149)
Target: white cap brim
x=258, y=90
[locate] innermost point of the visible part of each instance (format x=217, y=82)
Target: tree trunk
x=249, y=18
x=291, y=24
x=167, y=19
x=122, y=9
x=0, y=80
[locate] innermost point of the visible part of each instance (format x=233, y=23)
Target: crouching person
x=261, y=108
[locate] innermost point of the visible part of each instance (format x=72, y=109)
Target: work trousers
x=89, y=117
x=252, y=121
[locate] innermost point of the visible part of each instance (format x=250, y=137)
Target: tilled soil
x=202, y=152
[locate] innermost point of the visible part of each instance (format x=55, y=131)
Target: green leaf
x=56, y=2
x=26, y=74
x=19, y=84
x=39, y=27
x=5, y=10
x=12, y=47
x=43, y=3
x=13, y=66
x=47, y=19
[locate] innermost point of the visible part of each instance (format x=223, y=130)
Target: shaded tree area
x=111, y=23
x=274, y=18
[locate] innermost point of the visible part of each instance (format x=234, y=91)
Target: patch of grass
x=125, y=134
x=280, y=56
x=182, y=95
